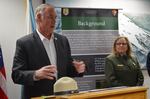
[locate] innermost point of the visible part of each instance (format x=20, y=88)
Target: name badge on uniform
x=120, y=65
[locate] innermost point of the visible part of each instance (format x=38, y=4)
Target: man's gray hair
x=41, y=8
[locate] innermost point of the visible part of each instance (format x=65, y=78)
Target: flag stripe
x=3, y=83
x=3, y=95
x=2, y=70
x=3, y=90
x=32, y=15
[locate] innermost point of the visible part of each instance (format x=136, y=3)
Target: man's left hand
x=79, y=65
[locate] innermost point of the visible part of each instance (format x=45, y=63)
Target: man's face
x=47, y=22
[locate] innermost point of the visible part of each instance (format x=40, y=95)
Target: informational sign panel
x=91, y=33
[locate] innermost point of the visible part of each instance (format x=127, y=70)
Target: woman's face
x=121, y=46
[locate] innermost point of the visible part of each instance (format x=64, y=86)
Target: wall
x=126, y=5
x=12, y=27
x=12, y=23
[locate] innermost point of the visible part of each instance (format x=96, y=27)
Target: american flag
x=3, y=91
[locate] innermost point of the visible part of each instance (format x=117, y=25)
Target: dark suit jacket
x=31, y=55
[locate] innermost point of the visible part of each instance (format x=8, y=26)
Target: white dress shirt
x=50, y=48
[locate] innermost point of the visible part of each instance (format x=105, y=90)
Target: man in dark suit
x=43, y=56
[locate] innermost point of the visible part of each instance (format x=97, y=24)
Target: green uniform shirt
x=123, y=71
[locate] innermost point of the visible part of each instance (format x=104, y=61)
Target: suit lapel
x=59, y=53
x=42, y=52
x=57, y=45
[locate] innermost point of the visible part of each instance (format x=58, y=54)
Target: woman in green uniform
x=122, y=68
